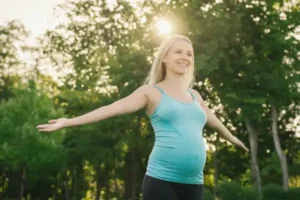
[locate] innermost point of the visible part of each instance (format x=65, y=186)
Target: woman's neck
x=175, y=82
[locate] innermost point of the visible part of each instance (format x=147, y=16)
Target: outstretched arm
x=134, y=102
x=217, y=125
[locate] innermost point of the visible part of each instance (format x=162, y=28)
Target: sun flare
x=163, y=26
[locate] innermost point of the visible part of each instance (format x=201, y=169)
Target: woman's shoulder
x=148, y=89
x=196, y=94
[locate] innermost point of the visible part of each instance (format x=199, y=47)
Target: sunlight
x=163, y=26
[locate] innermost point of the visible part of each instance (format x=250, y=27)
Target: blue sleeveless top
x=179, y=152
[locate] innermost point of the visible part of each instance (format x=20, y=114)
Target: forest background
x=247, y=56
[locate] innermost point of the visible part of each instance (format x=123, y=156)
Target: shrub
x=293, y=194
x=230, y=190
x=250, y=194
x=273, y=192
x=207, y=194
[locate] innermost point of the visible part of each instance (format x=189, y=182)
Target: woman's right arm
x=132, y=103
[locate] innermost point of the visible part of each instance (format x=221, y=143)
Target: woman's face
x=179, y=58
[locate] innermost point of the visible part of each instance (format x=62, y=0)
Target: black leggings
x=156, y=189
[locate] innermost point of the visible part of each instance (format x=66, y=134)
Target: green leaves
x=246, y=59
x=22, y=145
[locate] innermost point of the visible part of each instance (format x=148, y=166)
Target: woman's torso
x=179, y=153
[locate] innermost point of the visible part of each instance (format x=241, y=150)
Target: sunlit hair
x=158, y=69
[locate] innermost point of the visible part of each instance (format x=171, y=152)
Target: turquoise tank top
x=179, y=152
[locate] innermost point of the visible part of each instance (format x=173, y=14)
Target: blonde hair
x=158, y=70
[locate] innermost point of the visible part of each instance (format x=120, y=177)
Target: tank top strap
x=161, y=90
x=191, y=93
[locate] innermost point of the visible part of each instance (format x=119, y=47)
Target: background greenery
x=247, y=70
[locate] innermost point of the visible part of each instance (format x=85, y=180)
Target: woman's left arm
x=217, y=125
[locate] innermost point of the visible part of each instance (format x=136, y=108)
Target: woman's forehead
x=182, y=44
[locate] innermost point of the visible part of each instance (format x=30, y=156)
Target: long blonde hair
x=158, y=70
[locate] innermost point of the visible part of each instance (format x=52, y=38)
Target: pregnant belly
x=180, y=162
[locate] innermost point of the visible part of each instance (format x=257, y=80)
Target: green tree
x=108, y=58
x=23, y=148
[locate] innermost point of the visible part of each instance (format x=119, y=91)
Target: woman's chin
x=183, y=71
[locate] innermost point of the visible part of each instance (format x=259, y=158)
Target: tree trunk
x=73, y=188
x=117, y=191
x=98, y=181
x=253, y=151
x=117, y=187
x=3, y=178
x=280, y=153
x=66, y=186
x=131, y=164
x=79, y=172
x=76, y=186
x=107, y=191
x=22, y=183
x=77, y=182
x=130, y=176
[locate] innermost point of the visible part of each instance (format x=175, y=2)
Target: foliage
x=22, y=146
x=226, y=188
x=246, y=59
x=293, y=194
x=273, y=191
x=207, y=195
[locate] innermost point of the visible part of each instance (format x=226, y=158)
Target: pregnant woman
x=178, y=115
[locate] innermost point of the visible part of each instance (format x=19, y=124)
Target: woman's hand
x=53, y=125
x=239, y=144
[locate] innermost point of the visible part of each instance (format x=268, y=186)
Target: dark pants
x=156, y=189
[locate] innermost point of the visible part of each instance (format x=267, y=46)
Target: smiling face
x=179, y=58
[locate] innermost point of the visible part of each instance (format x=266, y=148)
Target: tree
x=23, y=148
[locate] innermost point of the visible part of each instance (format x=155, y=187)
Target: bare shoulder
x=197, y=95
x=143, y=88
x=147, y=90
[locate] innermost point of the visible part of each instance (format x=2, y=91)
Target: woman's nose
x=185, y=57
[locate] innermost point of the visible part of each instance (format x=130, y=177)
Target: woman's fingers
x=241, y=144
x=52, y=121
x=53, y=124
x=42, y=126
x=244, y=147
x=45, y=127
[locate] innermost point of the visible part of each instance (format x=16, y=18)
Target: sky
x=36, y=15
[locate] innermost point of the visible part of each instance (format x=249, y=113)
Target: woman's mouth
x=183, y=64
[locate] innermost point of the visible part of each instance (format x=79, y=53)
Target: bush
x=250, y=194
x=230, y=190
x=273, y=192
x=293, y=194
x=233, y=191
x=207, y=194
